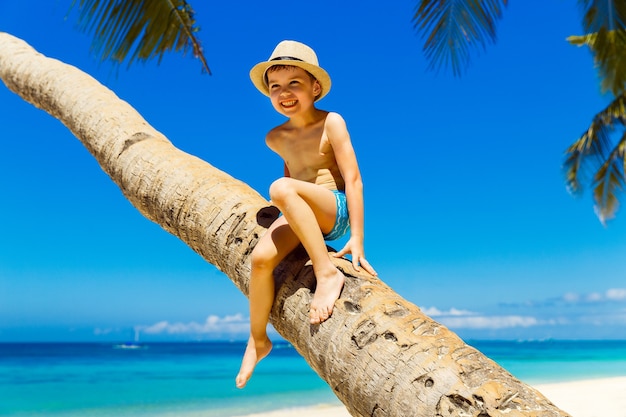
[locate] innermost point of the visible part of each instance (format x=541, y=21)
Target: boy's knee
x=261, y=259
x=280, y=189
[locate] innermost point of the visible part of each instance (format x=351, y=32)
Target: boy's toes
x=324, y=314
x=319, y=316
x=314, y=316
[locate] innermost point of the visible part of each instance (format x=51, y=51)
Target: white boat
x=131, y=345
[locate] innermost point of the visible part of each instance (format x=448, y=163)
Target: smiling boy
x=320, y=196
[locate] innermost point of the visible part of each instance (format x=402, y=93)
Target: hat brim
x=257, y=75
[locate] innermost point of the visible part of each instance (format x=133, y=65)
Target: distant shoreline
x=195, y=379
x=580, y=398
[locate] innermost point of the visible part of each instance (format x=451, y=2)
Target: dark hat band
x=286, y=58
x=281, y=58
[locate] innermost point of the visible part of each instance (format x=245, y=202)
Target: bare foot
x=254, y=353
x=326, y=293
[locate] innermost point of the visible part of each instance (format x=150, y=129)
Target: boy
x=321, y=183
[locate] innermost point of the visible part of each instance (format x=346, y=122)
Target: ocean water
x=197, y=379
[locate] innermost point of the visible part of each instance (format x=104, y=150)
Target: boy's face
x=292, y=89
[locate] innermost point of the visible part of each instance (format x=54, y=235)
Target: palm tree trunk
x=378, y=352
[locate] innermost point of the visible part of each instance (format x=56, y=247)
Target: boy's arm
x=345, y=156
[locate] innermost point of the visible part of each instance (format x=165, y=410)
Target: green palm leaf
x=609, y=181
x=585, y=155
x=594, y=158
x=604, y=23
x=603, y=14
x=140, y=29
x=609, y=51
x=451, y=28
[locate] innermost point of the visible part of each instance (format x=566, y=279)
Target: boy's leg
x=311, y=210
x=275, y=244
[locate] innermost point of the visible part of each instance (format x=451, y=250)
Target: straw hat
x=291, y=53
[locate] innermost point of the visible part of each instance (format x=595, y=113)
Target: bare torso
x=307, y=152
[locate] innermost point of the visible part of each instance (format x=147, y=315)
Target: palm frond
x=452, y=28
x=604, y=24
x=609, y=181
x=140, y=29
x=607, y=14
x=585, y=155
x=594, y=158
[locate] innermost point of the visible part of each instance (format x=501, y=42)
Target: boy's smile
x=292, y=89
x=288, y=103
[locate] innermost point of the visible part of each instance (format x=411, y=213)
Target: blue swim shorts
x=342, y=220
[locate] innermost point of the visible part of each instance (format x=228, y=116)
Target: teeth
x=289, y=103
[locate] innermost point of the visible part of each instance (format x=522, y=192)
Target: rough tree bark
x=378, y=352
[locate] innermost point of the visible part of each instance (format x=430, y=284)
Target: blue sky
x=467, y=214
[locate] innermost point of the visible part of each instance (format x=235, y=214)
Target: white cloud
x=594, y=297
x=616, y=294
x=611, y=295
x=213, y=324
x=465, y=319
x=490, y=322
x=103, y=332
x=571, y=297
x=435, y=312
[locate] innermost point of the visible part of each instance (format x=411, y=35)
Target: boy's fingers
x=358, y=262
x=368, y=267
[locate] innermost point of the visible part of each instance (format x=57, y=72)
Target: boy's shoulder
x=276, y=135
x=335, y=122
x=277, y=130
x=334, y=117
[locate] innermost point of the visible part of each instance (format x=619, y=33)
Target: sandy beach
x=589, y=398
x=584, y=398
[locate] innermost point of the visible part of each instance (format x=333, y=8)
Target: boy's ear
x=317, y=88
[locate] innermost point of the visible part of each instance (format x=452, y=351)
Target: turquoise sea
x=197, y=379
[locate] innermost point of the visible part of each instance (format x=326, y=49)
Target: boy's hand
x=358, y=257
